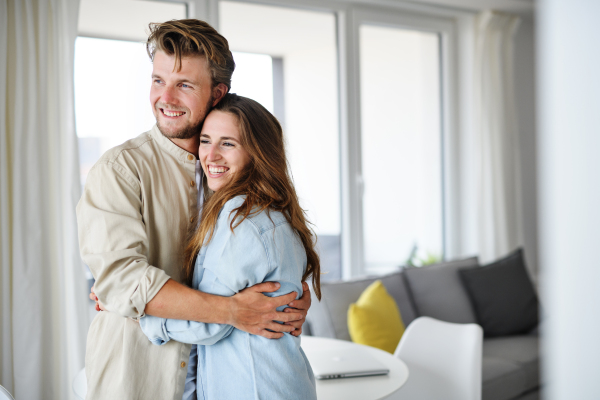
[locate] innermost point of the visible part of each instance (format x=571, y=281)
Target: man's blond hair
x=192, y=37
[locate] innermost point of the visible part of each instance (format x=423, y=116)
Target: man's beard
x=189, y=131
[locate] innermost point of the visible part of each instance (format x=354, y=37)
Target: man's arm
x=249, y=310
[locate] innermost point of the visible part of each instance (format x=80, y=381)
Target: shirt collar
x=166, y=144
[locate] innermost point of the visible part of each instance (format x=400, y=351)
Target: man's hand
x=99, y=306
x=253, y=312
x=301, y=305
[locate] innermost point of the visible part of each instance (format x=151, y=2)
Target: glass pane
x=401, y=146
x=253, y=77
x=305, y=100
x=112, y=102
x=125, y=19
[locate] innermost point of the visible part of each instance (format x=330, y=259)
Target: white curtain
x=43, y=288
x=499, y=222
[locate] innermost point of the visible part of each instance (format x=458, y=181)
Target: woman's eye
x=228, y=144
x=203, y=141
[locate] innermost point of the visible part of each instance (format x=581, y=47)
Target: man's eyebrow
x=155, y=75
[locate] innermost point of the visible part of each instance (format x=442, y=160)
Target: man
x=139, y=204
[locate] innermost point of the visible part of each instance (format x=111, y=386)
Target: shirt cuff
x=150, y=284
x=155, y=330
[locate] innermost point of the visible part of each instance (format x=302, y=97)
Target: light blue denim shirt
x=232, y=364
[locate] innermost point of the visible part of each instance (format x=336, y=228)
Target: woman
x=252, y=230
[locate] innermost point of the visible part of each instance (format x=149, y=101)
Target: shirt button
x=192, y=183
x=192, y=219
x=190, y=157
x=183, y=364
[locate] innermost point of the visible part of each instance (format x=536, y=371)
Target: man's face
x=181, y=99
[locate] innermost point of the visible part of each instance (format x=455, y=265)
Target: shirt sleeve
x=237, y=260
x=113, y=241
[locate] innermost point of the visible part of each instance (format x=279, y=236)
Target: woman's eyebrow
x=220, y=138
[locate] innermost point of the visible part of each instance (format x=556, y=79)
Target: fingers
x=296, y=333
x=266, y=287
x=303, y=303
x=290, y=316
x=275, y=327
x=296, y=324
x=283, y=300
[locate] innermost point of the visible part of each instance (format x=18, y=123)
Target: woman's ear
x=218, y=92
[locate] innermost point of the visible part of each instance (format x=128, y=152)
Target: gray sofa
x=510, y=363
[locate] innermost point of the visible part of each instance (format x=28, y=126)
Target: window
x=361, y=91
x=400, y=146
x=305, y=100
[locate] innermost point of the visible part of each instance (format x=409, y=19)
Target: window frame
x=349, y=16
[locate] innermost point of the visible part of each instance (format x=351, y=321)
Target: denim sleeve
x=250, y=256
x=160, y=330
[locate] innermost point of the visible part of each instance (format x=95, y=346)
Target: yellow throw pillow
x=375, y=320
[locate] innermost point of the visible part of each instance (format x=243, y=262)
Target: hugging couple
x=197, y=242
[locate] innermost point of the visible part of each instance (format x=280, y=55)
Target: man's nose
x=168, y=95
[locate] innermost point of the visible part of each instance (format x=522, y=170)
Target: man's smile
x=172, y=113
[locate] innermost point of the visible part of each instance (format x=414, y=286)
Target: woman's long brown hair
x=265, y=182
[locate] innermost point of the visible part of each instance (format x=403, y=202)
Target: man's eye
x=183, y=85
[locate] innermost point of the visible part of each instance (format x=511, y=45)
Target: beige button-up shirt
x=138, y=205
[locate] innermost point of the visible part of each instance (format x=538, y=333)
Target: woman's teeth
x=217, y=170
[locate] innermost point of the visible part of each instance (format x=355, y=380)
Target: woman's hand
x=99, y=306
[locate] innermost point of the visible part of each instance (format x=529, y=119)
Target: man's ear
x=218, y=92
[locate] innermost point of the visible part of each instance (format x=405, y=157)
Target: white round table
x=363, y=388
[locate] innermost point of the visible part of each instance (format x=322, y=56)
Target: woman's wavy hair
x=265, y=182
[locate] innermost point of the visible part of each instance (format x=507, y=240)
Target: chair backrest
x=5, y=394
x=443, y=359
x=80, y=385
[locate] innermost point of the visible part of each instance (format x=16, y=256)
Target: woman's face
x=221, y=152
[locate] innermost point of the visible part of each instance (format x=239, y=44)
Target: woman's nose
x=214, y=153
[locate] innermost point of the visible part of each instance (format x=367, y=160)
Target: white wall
x=569, y=196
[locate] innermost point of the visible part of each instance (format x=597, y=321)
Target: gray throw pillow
x=437, y=291
x=503, y=296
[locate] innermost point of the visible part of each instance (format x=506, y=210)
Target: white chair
x=80, y=385
x=5, y=394
x=443, y=359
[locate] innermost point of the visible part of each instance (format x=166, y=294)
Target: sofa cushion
x=510, y=366
x=437, y=292
x=329, y=317
x=374, y=320
x=502, y=379
x=503, y=296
